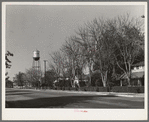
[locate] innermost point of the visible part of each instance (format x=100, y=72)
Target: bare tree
x=58, y=64
x=107, y=41
x=129, y=42
x=87, y=48
x=55, y=68
x=33, y=77
x=75, y=61
x=96, y=47
x=100, y=34
x=20, y=78
x=100, y=45
x=7, y=63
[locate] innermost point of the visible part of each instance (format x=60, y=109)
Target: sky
x=46, y=27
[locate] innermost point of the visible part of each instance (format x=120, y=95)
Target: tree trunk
x=71, y=81
x=104, y=78
x=104, y=83
x=139, y=83
x=121, y=83
x=89, y=74
x=129, y=73
x=128, y=79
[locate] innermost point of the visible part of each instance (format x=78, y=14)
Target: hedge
x=119, y=89
x=94, y=89
x=87, y=88
x=127, y=89
x=136, y=89
x=124, y=89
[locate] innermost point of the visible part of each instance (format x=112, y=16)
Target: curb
x=130, y=96
x=97, y=93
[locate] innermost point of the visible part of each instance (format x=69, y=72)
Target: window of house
x=137, y=67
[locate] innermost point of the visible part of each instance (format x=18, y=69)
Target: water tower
x=36, y=66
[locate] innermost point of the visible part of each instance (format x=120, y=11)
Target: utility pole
x=45, y=70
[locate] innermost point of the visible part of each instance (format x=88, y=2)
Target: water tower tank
x=36, y=55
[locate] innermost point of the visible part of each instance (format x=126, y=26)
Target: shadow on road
x=51, y=102
x=14, y=91
x=18, y=93
x=68, y=100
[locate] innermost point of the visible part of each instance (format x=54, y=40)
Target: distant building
x=139, y=67
x=137, y=74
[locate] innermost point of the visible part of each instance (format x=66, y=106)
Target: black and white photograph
x=74, y=61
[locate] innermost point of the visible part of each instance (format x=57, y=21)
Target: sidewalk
x=120, y=94
x=128, y=94
x=108, y=93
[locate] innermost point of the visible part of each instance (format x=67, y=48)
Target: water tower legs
x=37, y=72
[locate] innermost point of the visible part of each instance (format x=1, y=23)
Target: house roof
x=137, y=74
x=138, y=64
x=133, y=75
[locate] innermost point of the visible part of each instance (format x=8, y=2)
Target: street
x=31, y=98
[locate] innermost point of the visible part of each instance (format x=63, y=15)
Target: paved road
x=23, y=98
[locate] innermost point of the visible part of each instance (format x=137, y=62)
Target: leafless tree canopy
x=101, y=45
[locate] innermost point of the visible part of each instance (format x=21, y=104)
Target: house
x=137, y=74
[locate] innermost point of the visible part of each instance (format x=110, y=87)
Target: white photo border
x=70, y=114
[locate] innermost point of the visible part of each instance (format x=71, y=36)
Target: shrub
x=76, y=88
x=72, y=88
x=59, y=88
x=67, y=83
x=136, y=89
x=96, y=79
x=119, y=89
x=127, y=89
x=85, y=89
x=69, y=88
x=108, y=89
x=63, y=88
x=102, y=89
x=91, y=88
x=97, y=89
x=82, y=84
